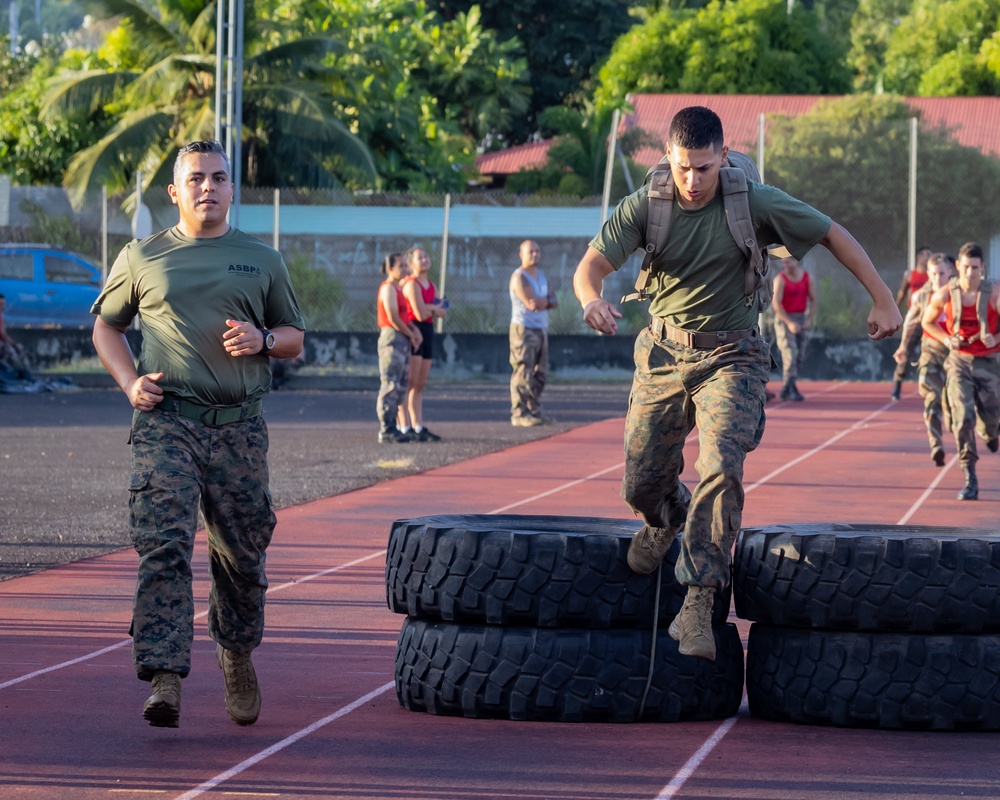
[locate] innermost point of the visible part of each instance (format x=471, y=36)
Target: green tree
x=426, y=90
x=871, y=28
x=849, y=157
x=741, y=46
x=157, y=83
x=945, y=47
x=33, y=151
x=563, y=42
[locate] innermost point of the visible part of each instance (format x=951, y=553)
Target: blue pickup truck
x=47, y=287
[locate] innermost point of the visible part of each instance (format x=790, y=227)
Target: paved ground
x=64, y=457
x=331, y=727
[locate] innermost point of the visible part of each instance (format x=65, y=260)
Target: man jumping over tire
x=701, y=360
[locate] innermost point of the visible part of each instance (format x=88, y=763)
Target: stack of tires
x=540, y=618
x=871, y=626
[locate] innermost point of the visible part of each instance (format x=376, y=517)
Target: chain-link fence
x=334, y=241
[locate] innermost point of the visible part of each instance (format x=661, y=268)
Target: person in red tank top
x=425, y=307
x=973, y=365
x=397, y=336
x=913, y=280
x=794, y=312
x=931, y=376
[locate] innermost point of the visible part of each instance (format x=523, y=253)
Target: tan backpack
x=733, y=177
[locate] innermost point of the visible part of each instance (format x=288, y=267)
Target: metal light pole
x=610, y=164
x=229, y=92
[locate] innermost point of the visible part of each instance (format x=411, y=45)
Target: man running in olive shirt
x=215, y=305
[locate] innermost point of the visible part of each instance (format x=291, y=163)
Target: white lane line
x=927, y=492
x=297, y=581
x=210, y=784
x=819, y=448
x=557, y=489
x=694, y=762
x=53, y=668
x=39, y=672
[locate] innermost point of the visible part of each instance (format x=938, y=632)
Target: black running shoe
x=426, y=436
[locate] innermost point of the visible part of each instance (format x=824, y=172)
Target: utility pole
x=229, y=92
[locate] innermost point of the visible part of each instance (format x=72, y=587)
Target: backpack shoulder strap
x=983, y=307
x=956, y=305
x=735, y=195
x=660, y=211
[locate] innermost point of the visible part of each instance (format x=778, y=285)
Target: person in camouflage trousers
x=221, y=472
x=701, y=362
x=930, y=364
x=965, y=316
x=397, y=334
x=729, y=414
x=216, y=305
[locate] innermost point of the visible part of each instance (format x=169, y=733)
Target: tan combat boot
x=242, y=691
x=648, y=547
x=692, y=627
x=163, y=707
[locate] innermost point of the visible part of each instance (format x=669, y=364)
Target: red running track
x=331, y=727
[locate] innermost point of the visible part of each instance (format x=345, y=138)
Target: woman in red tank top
x=424, y=306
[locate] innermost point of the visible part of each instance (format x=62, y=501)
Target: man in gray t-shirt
x=530, y=301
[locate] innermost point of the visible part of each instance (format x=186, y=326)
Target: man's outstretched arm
x=588, y=281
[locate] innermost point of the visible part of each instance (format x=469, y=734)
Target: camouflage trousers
x=675, y=388
x=394, y=375
x=931, y=381
x=529, y=359
x=913, y=349
x=179, y=465
x=791, y=346
x=974, y=400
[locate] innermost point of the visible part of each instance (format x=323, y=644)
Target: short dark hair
x=971, y=250
x=389, y=260
x=206, y=146
x=696, y=128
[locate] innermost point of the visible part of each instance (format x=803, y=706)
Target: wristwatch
x=268, y=340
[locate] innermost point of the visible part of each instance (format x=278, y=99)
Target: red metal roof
x=514, y=159
x=974, y=122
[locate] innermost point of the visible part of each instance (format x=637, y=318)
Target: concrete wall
x=466, y=355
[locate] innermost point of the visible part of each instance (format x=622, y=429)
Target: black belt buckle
x=722, y=338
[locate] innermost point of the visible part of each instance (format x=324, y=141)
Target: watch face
x=268, y=341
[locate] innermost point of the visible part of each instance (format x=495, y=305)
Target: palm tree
x=162, y=96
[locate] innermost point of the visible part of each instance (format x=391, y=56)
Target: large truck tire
x=866, y=679
x=869, y=577
x=564, y=675
x=536, y=571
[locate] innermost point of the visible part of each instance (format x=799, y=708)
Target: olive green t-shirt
x=698, y=279
x=183, y=291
